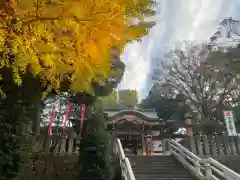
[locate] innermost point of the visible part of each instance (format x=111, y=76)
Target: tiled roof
x=149, y=113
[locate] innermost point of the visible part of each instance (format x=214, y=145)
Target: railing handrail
x=187, y=158
x=210, y=166
x=121, y=151
x=185, y=150
x=124, y=162
x=225, y=170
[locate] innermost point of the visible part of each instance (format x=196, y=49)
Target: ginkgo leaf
x=68, y=39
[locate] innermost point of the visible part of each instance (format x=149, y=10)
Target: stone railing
x=213, y=145
x=184, y=156
x=206, y=169
x=217, y=171
x=57, y=145
x=126, y=168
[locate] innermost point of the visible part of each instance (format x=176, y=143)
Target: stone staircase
x=170, y=167
x=158, y=168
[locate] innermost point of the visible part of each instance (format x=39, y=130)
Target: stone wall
x=50, y=168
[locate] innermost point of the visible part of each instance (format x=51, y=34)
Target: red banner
x=82, y=115
x=66, y=117
x=51, y=121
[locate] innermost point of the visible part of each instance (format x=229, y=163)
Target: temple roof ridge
x=130, y=109
x=149, y=113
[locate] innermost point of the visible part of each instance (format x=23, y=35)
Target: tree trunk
x=32, y=93
x=36, y=121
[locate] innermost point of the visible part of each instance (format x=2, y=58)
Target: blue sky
x=176, y=20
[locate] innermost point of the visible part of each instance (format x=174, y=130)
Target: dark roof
x=147, y=113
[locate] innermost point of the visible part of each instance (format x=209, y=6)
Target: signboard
x=157, y=146
x=230, y=124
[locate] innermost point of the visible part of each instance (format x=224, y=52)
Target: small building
x=139, y=129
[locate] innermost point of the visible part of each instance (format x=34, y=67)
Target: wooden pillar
x=143, y=141
x=151, y=146
x=143, y=145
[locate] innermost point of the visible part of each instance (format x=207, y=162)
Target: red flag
x=66, y=117
x=82, y=115
x=51, y=121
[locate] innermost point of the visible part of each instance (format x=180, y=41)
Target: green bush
x=117, y=171
x=95, y=152
x=14, y=143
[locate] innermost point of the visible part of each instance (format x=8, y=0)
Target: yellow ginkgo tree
x=56, y=40
x=49, y=44
x=45, y=43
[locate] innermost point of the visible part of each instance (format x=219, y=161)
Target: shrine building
x=139, y=130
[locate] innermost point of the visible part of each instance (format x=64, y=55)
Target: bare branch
x=204, y=85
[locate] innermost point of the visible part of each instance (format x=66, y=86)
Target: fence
x=204, y=169
x=55, y=144
x=213, y=145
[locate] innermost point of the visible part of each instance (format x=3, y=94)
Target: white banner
x=230, y=124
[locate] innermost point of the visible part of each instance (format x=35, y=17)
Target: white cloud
x=137, y=58
x=176, y=20
x=137, y=67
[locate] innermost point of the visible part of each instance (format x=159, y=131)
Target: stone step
x=158, y=168
x=151, y=157
x=154, y=163
x=163, y=176
x=159, y=178
x=147, y=168
x=159, y=172
x=157, y=159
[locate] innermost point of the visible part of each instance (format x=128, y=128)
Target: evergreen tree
x=95, y=152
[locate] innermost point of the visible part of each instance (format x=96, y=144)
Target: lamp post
x=189, y=123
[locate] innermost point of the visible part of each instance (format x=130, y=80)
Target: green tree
x=164, y=104
x=128, y=97
x=110, y=101
x=95, y=153
x=167, y=104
